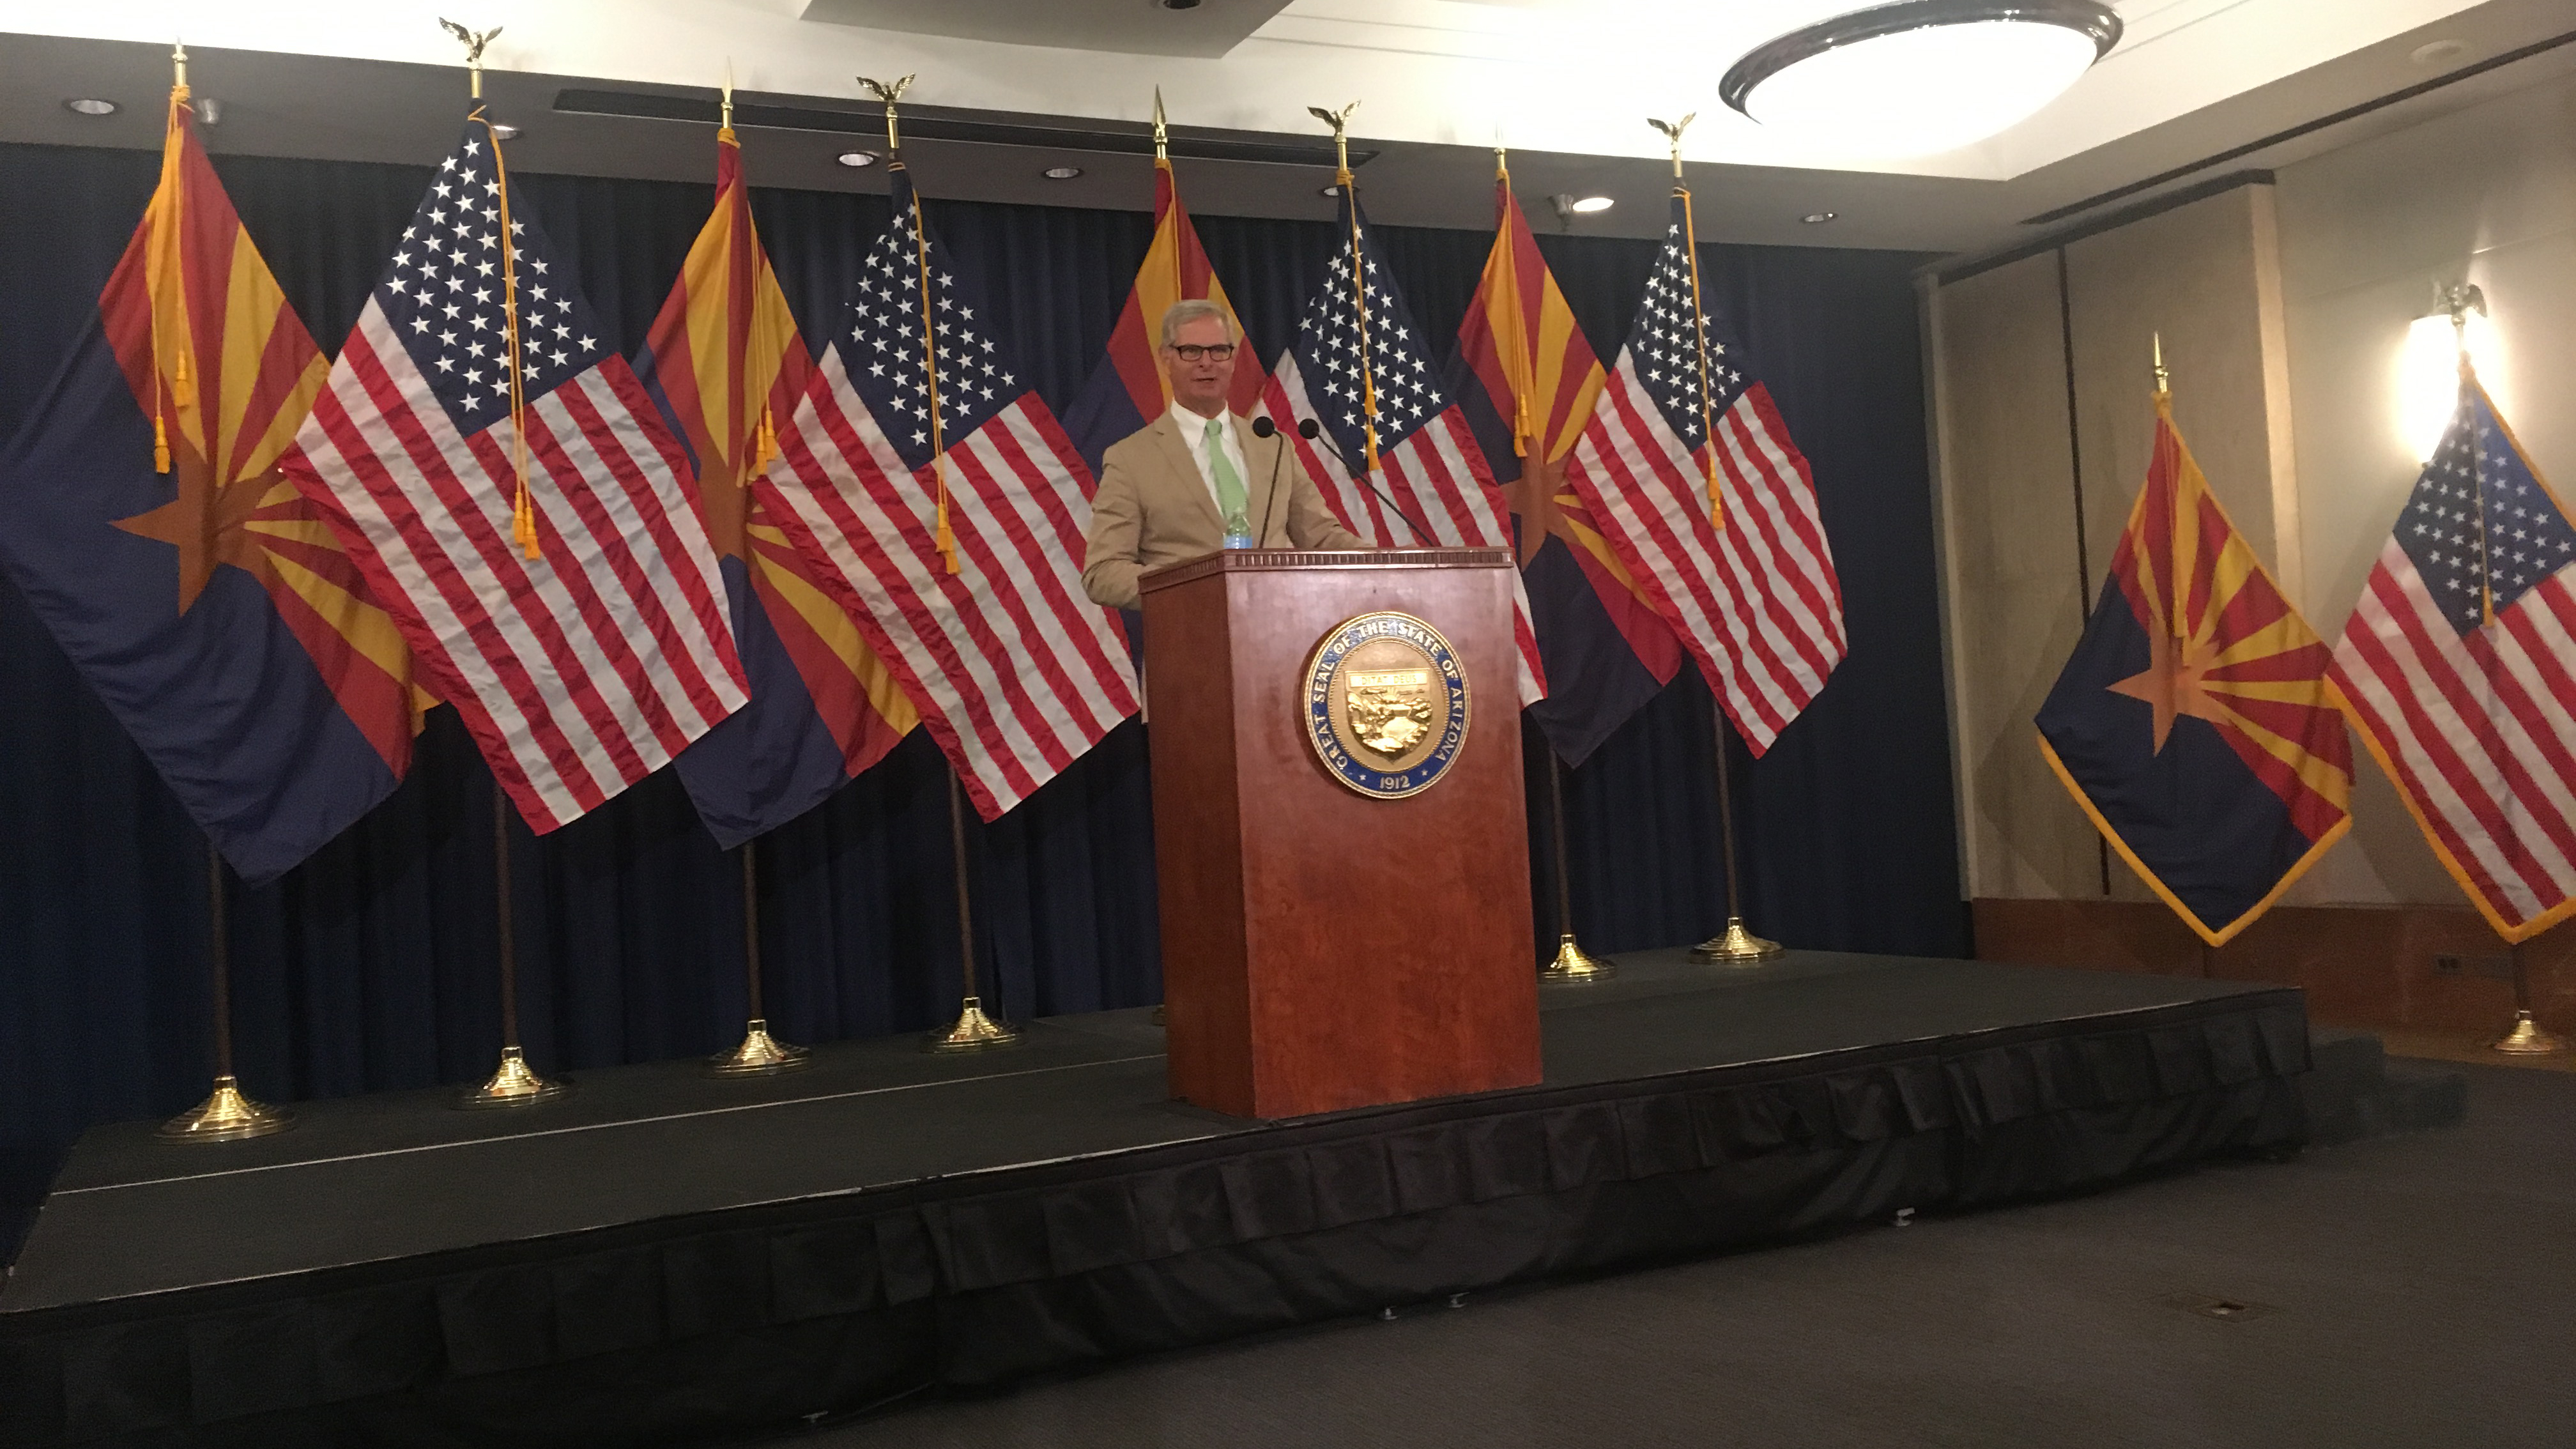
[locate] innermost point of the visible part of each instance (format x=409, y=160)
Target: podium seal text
x=1385, y=704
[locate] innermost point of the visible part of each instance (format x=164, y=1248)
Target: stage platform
x=664, y=1257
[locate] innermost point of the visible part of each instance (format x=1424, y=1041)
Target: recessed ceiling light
x=505, y=131
x=857, y=158
x=2438, y=51
x=1916, y=77
x=1061, y=173
x=1591, y=204
x=90, y=106
x=1178, y=4
x=1817, y=218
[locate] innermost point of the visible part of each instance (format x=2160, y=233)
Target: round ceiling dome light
x=857, y=158
x=90, y=106
x=1919, y=77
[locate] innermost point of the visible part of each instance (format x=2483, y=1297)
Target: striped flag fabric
x=1393, y=455
x=2195, y=724
x=202, y=596
x=2459, y=664
x=1527, y=380
x=937, y=499
x=1682, y=432
x=724, y=362
x=576, y=620
x=1128, y=389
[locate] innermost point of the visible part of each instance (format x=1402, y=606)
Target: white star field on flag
x=445, y=295
x=1329, y=352
x=2527, y=538
x=1668, y=334
x=881, y=345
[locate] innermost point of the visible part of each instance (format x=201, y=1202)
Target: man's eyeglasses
x=1214, y=351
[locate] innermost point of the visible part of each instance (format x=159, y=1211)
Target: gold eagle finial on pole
x=1340, y=121
x=1673, y=132
x=889, y=94
x=473, y=43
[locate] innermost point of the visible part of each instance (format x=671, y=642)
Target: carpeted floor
x=2408, y=1291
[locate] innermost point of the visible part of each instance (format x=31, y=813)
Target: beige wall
x=2284, y=310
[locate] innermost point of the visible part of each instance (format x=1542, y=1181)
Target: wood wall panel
x=2362, y=966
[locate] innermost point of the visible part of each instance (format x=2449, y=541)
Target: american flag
x=1753, y=593
x=1428, y=462
x=1015, y=672
x=2460, y=665
x=586, y=668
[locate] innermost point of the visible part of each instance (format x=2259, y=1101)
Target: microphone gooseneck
x=1262, y=427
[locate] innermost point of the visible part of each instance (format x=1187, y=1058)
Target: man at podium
x=1195, y=480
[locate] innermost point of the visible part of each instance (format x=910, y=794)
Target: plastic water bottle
x=1238, y=530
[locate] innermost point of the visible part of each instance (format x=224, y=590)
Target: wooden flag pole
x=514, y=1083
x=1734, y=946
x=226, y=1115
x=759, y=1054
x=1573, y=965
x=973, y=1030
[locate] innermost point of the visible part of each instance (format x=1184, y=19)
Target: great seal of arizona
x=1385, y=704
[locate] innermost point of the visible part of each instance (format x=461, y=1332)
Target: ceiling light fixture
x=857, y=158
x=1919, y=76
x=1818, y=218
x=1590, y=204
x=2438, y=51
x=1061, y=173
x=90, y=106
x=1178, y=4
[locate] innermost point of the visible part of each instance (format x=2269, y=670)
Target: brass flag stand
x=759, y=1054
x=973, y=1031
x=514, y=1083
x=226, y=1115
x=2527, y=1039
x=1734, y=946
x=1573, y=965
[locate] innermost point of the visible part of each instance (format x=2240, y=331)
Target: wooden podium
x=1322, y=948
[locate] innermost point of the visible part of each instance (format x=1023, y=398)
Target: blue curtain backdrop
x=371, y=967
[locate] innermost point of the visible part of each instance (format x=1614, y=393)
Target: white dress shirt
x=1194, y=432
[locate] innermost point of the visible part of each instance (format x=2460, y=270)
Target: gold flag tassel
x=944, y=536
x=1340, y=121
x=2178, y=520
x=166, y=229
x=1672, y=131
x=1517, y=359
x=765, y=450
x=523, y=510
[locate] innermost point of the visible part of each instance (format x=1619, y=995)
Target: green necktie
x=1230, y=497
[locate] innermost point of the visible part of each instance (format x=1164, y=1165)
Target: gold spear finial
x=1673, y=132
x=1159, y=153
x=1340, y=121
x=473, y=50
x=727, y=122
x=2163, y=377
x=179, y=63
x=889, y=94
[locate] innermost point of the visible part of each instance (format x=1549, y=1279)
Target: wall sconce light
x=2428, y=383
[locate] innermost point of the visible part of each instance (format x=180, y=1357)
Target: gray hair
x=1181, y=314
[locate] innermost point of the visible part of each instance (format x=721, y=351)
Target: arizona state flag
x=724, y=363
x=2195, y=724
x=200, y=594
x=1526, y=380
x=1127, y=391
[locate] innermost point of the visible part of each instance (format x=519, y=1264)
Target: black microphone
x=1309, y=430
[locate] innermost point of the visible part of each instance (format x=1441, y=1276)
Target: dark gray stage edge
x=372, y=1179
x=2415, y=1291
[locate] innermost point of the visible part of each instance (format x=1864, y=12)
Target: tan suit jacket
x=1153, y=508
